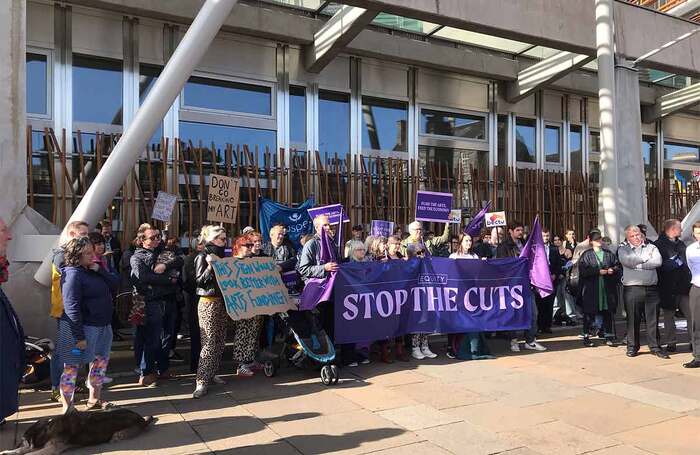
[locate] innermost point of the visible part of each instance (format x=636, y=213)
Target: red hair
x=240, y=241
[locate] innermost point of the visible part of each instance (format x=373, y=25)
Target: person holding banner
x=211, y=310
x=283, y=254
x=415, y=235
x=511, y=248
x=599, y=274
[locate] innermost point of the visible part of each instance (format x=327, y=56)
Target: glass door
x=449, y=170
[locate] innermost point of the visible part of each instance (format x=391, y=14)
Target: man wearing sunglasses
x=150, y=280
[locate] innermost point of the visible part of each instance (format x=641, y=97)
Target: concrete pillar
x=632, y=203
x=608, y=188
x=168, y=86
x=13, y=115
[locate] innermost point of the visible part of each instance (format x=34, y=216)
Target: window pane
x=222, y=135
x=575, y=148
x=502, y=140
x=148, y=75
x=594, y=142
x=37, y=75
x=228, y=96
x=334, y=123
x=452, y=124
x=681, y=176
x=552, y=144
x=525, y=140
x=384, y=124
x=649, y=154
x=297, y=115
x=594, y=172
x=680, y=152
x=97, y=90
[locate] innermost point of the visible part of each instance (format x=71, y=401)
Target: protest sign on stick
x=333, y=212
x=164, y=206
x=382, y=228
x=432, y=206
x=223, y=198
x=251, y=287
x=495, y=219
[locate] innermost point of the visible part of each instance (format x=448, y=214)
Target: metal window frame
x=48, y=53
x=569, y=162
x=383, y=153
x=80, y=124
x=525, y=164
x=560, y=165
x=483, y=115
x=671, y=164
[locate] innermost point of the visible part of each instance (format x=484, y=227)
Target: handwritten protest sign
x=456, y=216
x=223, y=198
x=164, y=206
x=495, y=219
x=332, y=211
x=432, y=206
x=251, y=287
x=382, y=228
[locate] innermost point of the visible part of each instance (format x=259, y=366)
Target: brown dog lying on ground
x=80, y=429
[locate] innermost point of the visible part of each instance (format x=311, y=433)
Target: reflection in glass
x=404, y=23
x=148, y=75
x=649, y=155
x=502, y=140
x=525, y=140
x=97, y=90
x=575, y=148
x=552, y=144
x=297, y=115
x=453, y=124
x=681, y=176
x=334, y=123
x=384, y=124
x=594, y=142
x=206, y=133
x=36, y=80
x=446, y=162
x=594, y=172
x=680, y=152
x=228, y=96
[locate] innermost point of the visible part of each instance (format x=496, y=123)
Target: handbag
x=137, y=313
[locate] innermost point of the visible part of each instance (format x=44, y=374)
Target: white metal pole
x=607, y=196
x=129, y=148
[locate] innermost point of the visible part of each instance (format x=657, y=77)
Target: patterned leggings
x=212, y=323
x=419, y=340
x=96, y=377
x=245, y=340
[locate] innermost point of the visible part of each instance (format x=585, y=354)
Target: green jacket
x=431, y=245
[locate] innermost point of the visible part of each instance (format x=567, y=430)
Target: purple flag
x=536, y=254
x=475, y=224
x=317, y=290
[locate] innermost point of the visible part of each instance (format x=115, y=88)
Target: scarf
x=4, y=269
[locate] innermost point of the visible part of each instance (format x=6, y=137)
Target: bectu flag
x=536, y=254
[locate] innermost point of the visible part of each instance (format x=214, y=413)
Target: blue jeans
x=153, y=338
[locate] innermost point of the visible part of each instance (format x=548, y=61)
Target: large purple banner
x=379, y=300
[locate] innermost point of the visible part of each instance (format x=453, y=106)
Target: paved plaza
x=568, y=400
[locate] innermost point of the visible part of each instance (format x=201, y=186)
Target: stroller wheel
x=326, y=375
x=269, y=369
x=335, y=374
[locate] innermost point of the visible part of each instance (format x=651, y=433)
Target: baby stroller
x=38, y=357
x=307, y=344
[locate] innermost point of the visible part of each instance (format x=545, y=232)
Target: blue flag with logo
x=297, y=219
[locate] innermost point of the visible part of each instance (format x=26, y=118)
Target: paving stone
x=420, y=448
x=463, y=438
x=373, y=397
x=347, y=433
x=498, y=416
x=418, y=417
x=243, y=431
x=621, y=450
x=322, y=403
x=679, y=436
x=564, y=375
x=387, y=375
x=464, y=372
x=604, y=414
x=663, y=400
x=559, y=438
x=277, y=447
x=523, y=389
x=440, y=395
x=681, y=385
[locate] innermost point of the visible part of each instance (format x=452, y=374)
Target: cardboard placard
x=433, y=207
x=495, y=219
x=223, y=198
x=251, y=287
x=382, y=228
x=164, y=206
x=456, y=216
x=333, y=212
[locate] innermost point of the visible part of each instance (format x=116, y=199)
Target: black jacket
x=283, y=255
x=555, y=263
x=674, y=274
x=12, y=358
x=116, y=247
x=483, y=250
x=151, y=285
x=508, y=249
x=589, y=272
x=204, y=272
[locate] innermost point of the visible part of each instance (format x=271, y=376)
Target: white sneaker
x=200, y=391
x=514, y=346
x=535, y=346
x=218, y=380
x=417, y=354
x=427, y=352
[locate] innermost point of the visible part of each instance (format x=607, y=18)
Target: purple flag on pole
x=317, y=290
x=536, y=254
x=475, y=224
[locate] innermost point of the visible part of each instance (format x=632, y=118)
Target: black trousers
x=191, y=302
x=642, y=300
x=589, y=319
x=545, y=310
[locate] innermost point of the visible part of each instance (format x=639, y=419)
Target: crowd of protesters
x=170, y=287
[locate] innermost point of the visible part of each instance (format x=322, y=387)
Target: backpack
x=572, y=280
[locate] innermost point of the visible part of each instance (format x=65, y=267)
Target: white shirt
x=463, y=256
x=692, y=255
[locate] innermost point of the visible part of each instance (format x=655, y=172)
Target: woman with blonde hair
x=211, y=309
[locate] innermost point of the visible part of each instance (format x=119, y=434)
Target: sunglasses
x=248, y=245
x=153, y=237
